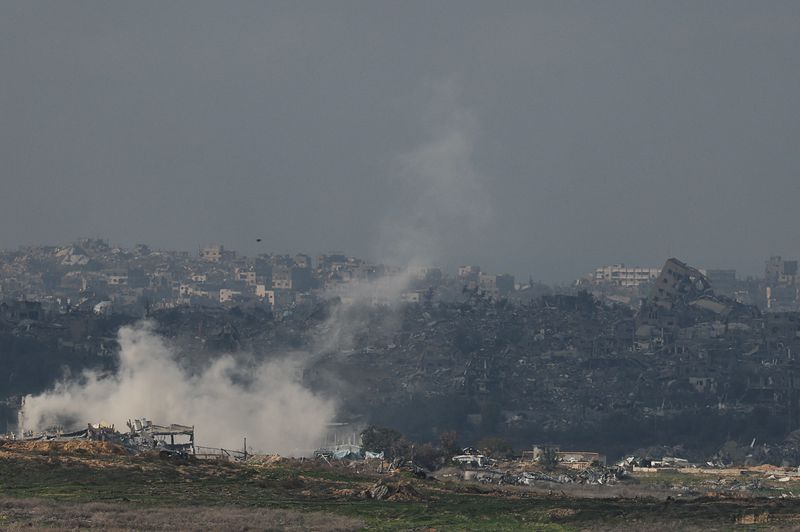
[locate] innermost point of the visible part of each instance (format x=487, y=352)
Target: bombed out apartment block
x=781, y=289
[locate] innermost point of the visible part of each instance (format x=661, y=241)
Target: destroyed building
x=171, y=438
x=569, y=367
x=142, y=436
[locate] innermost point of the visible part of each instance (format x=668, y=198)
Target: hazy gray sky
x=530, y=137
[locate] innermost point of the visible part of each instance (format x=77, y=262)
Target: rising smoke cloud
x=230, y=399
x=446, y=209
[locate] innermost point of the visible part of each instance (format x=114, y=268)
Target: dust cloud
x=230, y=399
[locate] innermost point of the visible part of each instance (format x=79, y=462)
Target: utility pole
x=245, y=447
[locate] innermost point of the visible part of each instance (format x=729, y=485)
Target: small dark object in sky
x=258, y=240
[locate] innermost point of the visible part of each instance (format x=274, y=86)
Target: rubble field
x=688, y=368
x=95, y=486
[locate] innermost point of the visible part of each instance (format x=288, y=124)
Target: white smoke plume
x=225, y=402
x=446, y=207
x=349, y=317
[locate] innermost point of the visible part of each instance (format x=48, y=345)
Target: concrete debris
x=472, y=457
x=169, y=439
x=143, y=436
x=344, y=452
x=518, y=473
x=394, y=491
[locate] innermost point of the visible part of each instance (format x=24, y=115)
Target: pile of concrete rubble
x=596, y=475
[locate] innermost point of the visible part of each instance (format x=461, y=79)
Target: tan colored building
x=248, y=276
x=227, y=295
x=621, y=275
x=212, y=253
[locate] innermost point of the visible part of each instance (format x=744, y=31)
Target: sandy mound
x=85, y=447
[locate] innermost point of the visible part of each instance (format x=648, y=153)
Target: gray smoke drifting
x=444, y=209
x=228, y=400
x=356, y=299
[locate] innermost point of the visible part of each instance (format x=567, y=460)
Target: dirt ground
x=70, y=485
x=16, y=514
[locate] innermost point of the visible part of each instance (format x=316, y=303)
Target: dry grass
x=41, y=513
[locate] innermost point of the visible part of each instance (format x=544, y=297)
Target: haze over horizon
x=541, y=138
